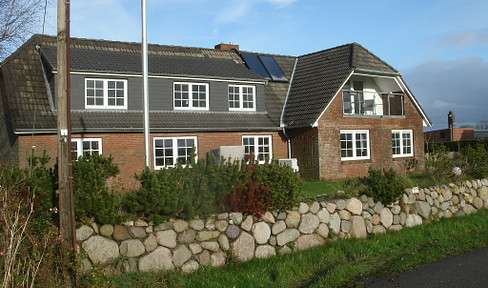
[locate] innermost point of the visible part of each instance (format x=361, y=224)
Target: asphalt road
x=465, y=270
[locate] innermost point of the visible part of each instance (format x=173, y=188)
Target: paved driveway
x=466, y=270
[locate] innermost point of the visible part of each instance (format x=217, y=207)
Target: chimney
x=224, y=46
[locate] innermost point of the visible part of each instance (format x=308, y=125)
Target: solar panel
x=255, y=64
x=273, y=68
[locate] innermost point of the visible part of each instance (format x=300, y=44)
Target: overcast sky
x=440, y=46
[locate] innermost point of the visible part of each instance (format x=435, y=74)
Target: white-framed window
x=192, y=96
x=168, y=151
x=105, y=93
x=260, y=146
x=402, y=143
x=242, y=98
x=355, y=144
x=85, y=147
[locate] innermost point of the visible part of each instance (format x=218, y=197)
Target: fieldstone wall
x=187, y=245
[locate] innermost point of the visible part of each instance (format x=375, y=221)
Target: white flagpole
x=145, y=85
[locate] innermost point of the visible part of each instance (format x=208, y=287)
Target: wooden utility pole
x=65, y=190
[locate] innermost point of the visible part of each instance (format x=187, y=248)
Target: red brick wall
x=128, y=148
x=305, y=149
x=458, y=135
x=331, y=166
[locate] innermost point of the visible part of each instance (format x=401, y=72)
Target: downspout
x=282, y=124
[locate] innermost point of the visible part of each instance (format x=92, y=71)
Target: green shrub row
x=205, y=188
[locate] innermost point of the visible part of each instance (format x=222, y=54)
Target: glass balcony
x=371, y=104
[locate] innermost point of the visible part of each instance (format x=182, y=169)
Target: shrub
x=439, y=164
x=284, y=185
x=252, y=197
x=384, y=186
x=92, y=197
x=473, y=161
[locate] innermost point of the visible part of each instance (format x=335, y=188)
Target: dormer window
x=105, y=93
x=242, y=98
x=190, y=96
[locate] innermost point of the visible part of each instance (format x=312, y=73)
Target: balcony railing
x=365, y=103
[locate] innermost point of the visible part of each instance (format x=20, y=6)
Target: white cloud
x=462, y=41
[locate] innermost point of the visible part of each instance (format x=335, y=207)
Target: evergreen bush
x=385, y=186
x=93, y=200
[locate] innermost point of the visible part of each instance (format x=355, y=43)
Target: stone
x=314, y=207
x=150, y=243
x=421, y=195
x=85, y=265
x=101, y=250
x=396, y=219
x=396, y=227
x=195, y=248
x=445, y=206
x=159, y=259
x=366, y=215
x=149, y=229
x=236, y=217
x=129, y=224
x=331, y=207
x=137, y=232
x=341, y=204
x=207, y=235
x=261, y=232
x=369, y=227
x=140, y=223
x=272, y=240
x=223, y=216
x=211, y=246
x=286, y=236
x=243, y=247
x=163, y=226
x=246, y=225
x=423, y=208
x=105, y=230
x=293, y=219
x=378, y=207
x=355, y=206
x=433, y=194
x=322, y=230
x=396, y=209
x=278, y=227
x=265, y=251
x=303, y=208
x=180, y=226
x=132, y=248
x=413, y=220
x=181, y=254
x=358, y=227
x=378, y=229
x=468, y=209
x=455, y=200
x=268, y=217
x=308, y=241
x=210, y=224
x=281, y=216
x=344, y=214
x=483, y=192
x=190, y=266
x=217, y=259
x=94, y=226
x=232, y=231
x=120, y=233
x=166, y=238
x=478, y=203
x=323, y=215
x=345, y=226
x=224, y=242
x=429, y=200
x=83, y=233
x=386, y=217
x=309, y=223
x=197, y=224
x=363, y=198
x=375, y=219
x=284, y=250
x=221, y=225
x=203, y=258
x=335, y=223
x=186, y=236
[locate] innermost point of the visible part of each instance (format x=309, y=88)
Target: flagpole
x=145, y=85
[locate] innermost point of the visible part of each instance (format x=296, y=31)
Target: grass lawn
x=344, y=263
x=315, y=187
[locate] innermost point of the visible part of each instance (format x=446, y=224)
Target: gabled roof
x=31, y=111
x=319, y=76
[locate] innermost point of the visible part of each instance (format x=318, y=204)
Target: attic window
x=105, y=93
x=190, y=96
x=242, y=98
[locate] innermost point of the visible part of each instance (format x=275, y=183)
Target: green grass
x=344, y=263
x=315, y=187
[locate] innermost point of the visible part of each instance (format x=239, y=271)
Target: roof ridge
x=355, y=44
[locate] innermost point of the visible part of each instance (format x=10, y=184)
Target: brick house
x=308, y=107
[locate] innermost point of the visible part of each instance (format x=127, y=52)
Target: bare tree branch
x=18, y=20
